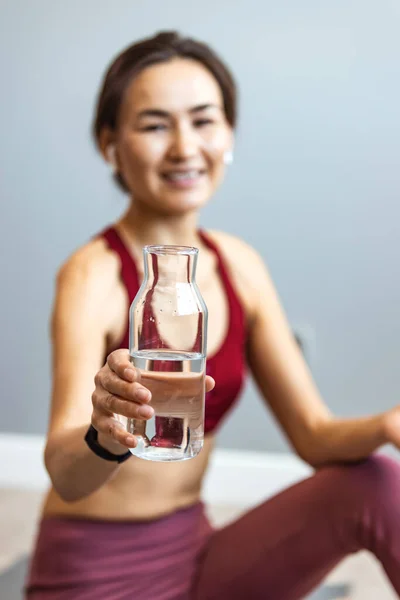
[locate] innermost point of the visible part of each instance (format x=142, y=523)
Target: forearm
x=75, y=471
x=345, y=440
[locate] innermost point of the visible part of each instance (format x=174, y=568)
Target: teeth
x=180, y=176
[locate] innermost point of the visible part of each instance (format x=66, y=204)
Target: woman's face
x=172, y=136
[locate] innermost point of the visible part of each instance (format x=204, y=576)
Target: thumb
x=210, y=383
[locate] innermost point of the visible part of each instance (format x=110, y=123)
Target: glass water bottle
x=168, y=336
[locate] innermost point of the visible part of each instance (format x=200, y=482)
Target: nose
x=184, y=143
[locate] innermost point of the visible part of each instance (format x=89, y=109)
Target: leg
x=283, y=549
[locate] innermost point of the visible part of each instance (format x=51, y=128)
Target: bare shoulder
x=92, y=261
x=87, y=283
x=91, y=272
x=245, y=264
x=242, y=258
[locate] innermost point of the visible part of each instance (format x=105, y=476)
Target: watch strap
x=91, y=439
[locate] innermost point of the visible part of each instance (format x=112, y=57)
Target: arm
x=285, y=382
x=79, y=331
x=80, y=326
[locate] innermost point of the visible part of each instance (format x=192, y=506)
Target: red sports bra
x=227, y=366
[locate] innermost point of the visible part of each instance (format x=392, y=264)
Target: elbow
x=308, y=457
x=314, y=455
x=61, y=483
x=315, y=462
x=313, y=446
x=68, y=496
x=311, y=452
x=48, y=456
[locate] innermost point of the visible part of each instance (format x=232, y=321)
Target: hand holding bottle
x=120, y=392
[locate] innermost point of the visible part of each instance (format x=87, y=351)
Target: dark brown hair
x=161, y=48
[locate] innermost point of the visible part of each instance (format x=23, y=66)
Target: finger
x=115, y=385
x=112, y=404
x=210, y=383
x=111, y=427
x=119, y=362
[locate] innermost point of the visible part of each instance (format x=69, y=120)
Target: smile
x=183, y=178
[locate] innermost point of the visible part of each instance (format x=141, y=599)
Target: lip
x=183, y=178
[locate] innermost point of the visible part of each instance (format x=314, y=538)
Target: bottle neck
x=163, y=264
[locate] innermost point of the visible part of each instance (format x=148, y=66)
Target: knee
x=381, y=473
x=378, y=476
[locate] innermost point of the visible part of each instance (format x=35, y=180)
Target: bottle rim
x=171, y=250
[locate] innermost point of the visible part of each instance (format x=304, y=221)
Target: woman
x=117, y=527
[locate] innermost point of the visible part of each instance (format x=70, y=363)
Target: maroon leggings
x=280, y=550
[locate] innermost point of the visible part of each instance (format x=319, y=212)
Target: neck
x=145, y=227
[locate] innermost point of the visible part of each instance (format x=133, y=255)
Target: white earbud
x=228, y=157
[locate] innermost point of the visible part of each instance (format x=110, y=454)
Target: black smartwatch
x=92, y=442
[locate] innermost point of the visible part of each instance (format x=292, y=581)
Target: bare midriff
x=140, y=490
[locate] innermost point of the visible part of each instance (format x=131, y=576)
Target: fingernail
x=129, y=374
x=131, y=440
x=146, y=411
x=142, y=394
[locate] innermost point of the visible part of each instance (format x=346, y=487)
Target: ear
x=107, y=146
x=228, y=154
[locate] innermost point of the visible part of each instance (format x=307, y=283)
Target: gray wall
x=315, y=185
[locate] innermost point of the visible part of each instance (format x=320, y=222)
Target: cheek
x=141, y=152
x=215, y=145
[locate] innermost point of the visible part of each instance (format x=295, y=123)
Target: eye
x=203, y=122
x=154, y=127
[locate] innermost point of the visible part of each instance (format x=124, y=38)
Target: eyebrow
x=156, y=112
